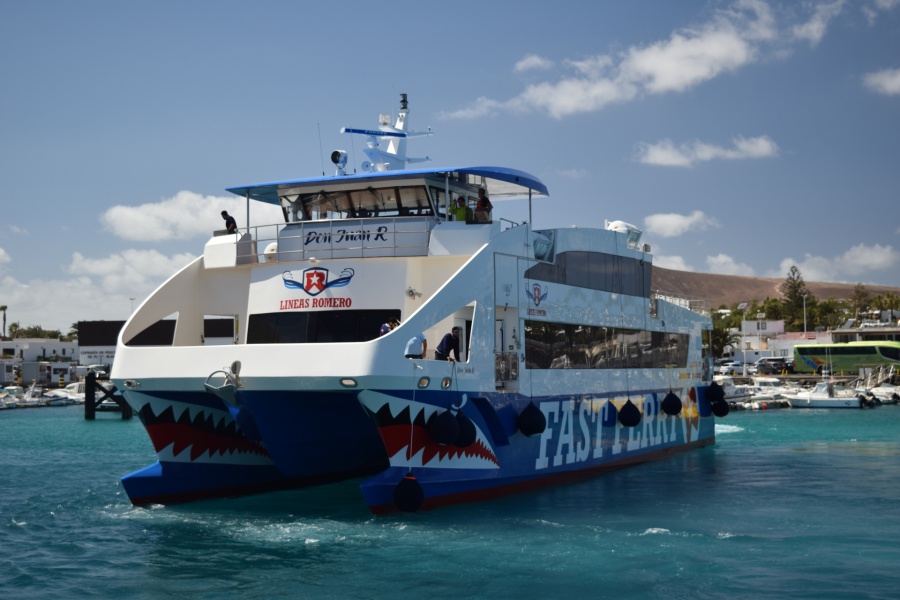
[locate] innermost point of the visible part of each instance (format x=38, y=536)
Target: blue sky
x=742, y=136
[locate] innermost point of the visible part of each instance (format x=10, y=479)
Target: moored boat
x=734, y=394
x=826, y=394
x=11, y=395
x=568, y=365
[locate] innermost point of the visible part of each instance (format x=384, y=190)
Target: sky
x=741, y=136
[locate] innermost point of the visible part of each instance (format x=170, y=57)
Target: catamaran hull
x=393, y=437
x=269, y=441
x=583, y=437
x=383, y=491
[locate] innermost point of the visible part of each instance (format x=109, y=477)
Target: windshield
x=394, y=201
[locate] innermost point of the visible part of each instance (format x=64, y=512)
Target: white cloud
x=533, y=62
x=666, y=154
x=814, y=30
x=5, y=258
x=885, y=82
x=722, y=264
x=128, y=272
x=672, y=224
x=848, y=267
x=687, y=58
x=38, y=302
x=879, y=5
x=676, y=263
x=482, y=107
x=183, y=216
x=572, y=96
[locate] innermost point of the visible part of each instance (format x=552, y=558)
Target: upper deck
x=394, y=213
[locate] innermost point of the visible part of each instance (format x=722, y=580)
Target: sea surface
x=787, y=504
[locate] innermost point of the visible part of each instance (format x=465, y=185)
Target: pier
x=108, y=400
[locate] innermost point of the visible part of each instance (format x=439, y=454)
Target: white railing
x=694, y=303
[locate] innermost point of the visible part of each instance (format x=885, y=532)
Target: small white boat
x=33, y=397
x=56, y=400
x=827, y=395
x=886, y=393
x=11, y=396
x=74, y=392
x=733, y=393
x=772, y=388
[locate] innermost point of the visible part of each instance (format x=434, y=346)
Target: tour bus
x=848, y=357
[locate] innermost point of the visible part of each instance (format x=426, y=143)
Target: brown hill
x=733, y=289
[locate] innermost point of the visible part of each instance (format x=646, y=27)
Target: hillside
x=734, y=289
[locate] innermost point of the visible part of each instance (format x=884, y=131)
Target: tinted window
x=567, y=346
x=317, y=327
x=596, y=271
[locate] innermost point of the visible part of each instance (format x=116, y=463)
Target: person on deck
x=483, y=208
x=389, y=326
x=416, y=347
x=230, y=223
x=449, y=344
x=461, y=212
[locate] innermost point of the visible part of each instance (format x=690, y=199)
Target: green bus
x=848, y=357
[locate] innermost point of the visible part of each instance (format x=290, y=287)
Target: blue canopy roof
x=501, y=182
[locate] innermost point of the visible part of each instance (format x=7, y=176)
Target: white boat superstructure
x=772, y=388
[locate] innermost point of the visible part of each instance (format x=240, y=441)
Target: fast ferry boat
x=568, y=364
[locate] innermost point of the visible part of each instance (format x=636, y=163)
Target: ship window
x=596, y=271
x=566, y=346
x=317, y=327
x=389, y=201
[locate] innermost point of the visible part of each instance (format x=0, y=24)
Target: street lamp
x=132, y=306
x=804, y=315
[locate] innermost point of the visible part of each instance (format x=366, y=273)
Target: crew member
x=449, y=344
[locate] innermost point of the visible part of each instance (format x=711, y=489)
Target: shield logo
x=536, y=294
x=314, y=280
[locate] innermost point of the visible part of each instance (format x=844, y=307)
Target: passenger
x=450, y=343
x=230, y=224
x=483, y=208
x=461, y=212
x=416, y=347
x=391, y=325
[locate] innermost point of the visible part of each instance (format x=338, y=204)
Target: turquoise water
x=788, y=504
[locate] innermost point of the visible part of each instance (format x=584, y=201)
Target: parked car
x=734, y=367
x=771, y=365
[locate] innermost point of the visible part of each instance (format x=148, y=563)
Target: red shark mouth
x=181, y=437
x=400, y=431
x=213, y=435
x=396, y=437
